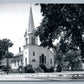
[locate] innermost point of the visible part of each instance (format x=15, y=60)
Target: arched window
x=42, y=59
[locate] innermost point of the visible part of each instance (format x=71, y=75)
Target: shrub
x=4, y=68
x=59, y=68
x=42, y=66
x=74, y=59
x=38, y=69
x=51, y=69
x=28, y=69
x=20, y=69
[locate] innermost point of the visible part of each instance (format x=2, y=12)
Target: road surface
x=63, y=76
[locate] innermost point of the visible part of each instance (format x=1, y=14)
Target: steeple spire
x=31, y=27
x=29, y=37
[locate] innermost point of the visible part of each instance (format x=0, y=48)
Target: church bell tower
x=29, y=34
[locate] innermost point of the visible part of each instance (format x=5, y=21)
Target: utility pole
x=7, y=63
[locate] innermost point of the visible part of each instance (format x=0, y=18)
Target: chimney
x=19, y=49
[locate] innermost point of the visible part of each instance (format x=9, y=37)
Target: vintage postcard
x=41, y=42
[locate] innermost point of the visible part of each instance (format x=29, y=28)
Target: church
x=32, y=53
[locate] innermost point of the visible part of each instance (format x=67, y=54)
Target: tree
x=62, y=20
x=58, y=55
x=4, y=45
x=74, y=59
x=4, y=53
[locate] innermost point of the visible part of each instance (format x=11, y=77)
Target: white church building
x=32, y=53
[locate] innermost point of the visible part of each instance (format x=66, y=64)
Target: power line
x=18, y=39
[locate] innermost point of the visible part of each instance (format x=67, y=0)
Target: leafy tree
x=4, y=45
x=4, y=53
x=9, y=55
x=62, y=20
x=74, y=59
x=58, y=54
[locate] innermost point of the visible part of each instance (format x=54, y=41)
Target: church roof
x=31, y=27
x=19, y=54
x=25, y=33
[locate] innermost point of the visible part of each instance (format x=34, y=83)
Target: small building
x=3, y=62
x=32, y=53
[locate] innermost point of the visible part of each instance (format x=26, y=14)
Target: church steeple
x=31, y=27
x=29, y=37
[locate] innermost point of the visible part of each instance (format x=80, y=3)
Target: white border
x=41, y=1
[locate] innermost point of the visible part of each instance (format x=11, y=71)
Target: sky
x=14, y=19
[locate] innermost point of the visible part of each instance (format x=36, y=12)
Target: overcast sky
x=14, y=21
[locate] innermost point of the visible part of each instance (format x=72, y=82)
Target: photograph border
x=42, y=1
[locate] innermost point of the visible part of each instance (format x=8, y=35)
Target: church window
x=18, y=62
x=33, y=53
x=25, y=61
x=50, y=61
x=33, y=60
x=15, y=62
x=42, y=58
x=33, y=40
